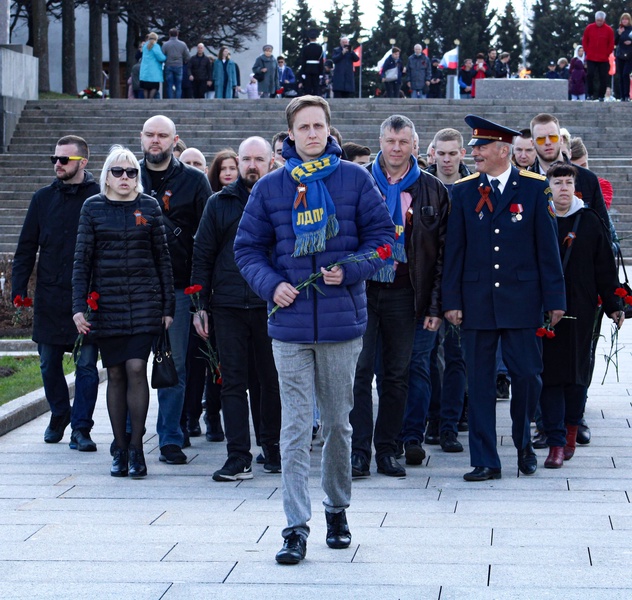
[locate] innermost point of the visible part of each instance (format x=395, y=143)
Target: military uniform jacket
x=312, y=59
x=502, y=268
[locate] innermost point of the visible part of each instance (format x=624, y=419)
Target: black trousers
x=236, y=329
x=598, y=78
x=311, y=84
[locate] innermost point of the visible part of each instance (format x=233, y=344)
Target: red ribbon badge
x=140, y=220
x=165, y=199
x=568, y=240
x=516, y=209
x=484, y=192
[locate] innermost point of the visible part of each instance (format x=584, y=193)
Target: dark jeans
x=199, y=88
x=311, y=84
x=86, y=383
x=624, y=68
x=392, y=89
x=392, y=314
x=598, y=71
x=453, y=389
x=236, y=329
x=419, y=385
x=561, y=405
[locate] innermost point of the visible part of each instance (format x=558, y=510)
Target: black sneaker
x=172, y=455
x=55, y=430
x=272, y=462
x=293, y=551
x=235, y=468
x=432, y=433
x=449, y=443
x=414, y=452
x=261, y=459
x=80, y=440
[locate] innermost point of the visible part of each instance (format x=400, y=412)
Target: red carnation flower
x=540, y=332
x=622, y=293
x=193, y=289
x=17, y=301
x=92, y=303
x=94, y=295
x=599, y=301
x=550, y=333
x=628, y=300
x=384, y=251
x=28, y=302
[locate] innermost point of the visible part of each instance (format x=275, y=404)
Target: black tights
x=128, y=391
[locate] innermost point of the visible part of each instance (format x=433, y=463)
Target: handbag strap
x=567, y=254
x=621, y=264
x=162, y=342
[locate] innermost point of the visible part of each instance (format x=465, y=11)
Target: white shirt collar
x=503, y=178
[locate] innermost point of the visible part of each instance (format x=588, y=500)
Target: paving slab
x=69, y=530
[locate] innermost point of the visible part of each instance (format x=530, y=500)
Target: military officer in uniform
x=502, y=273
x=312, y=64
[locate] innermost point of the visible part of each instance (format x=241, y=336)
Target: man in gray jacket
x=177, y=54
x=418, y=73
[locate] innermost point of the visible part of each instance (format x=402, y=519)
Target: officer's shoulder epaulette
x=468, y=178
x=532, y=175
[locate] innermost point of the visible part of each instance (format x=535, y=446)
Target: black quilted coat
x=122, y=254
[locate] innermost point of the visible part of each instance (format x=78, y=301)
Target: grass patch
x=20, y=375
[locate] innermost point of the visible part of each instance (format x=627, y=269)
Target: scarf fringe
x=399, y=252
x=309, y=243
x=332, y=226
x=385, y=274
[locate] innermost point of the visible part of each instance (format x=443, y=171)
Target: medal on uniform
x=516, y=212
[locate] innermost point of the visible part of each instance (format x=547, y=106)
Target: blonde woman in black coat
x=122, y=254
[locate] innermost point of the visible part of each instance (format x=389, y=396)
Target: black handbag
x=164, y=372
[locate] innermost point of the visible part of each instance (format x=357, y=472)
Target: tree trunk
x=133, y=34
x=40, y=42
x=95, y=52
x=113, y=41
x=68, y=57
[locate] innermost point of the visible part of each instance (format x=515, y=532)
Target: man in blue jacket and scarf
x=301, y=220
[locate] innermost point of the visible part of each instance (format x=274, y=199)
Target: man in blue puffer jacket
x=299, y=220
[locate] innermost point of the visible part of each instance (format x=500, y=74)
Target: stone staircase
x=211, y=125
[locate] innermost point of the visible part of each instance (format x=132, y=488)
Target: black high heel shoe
x=137, y=466
x=119, y=463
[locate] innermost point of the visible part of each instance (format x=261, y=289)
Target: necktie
x=495, y=188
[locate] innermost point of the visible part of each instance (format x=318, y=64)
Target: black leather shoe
x=432, y=437
x=502, y=387
x=194, y=429
x=293, y=551
x=414, y=452
x=483, y=474
x=388, y=465
x=214, y=431
x=527, y=460
x=80, y=440
x=55, y=430
x=137, y=466
x=583, y=433
x=539, y=440
x=463, y=421
x=449, y=443
x=338, y=534
x=359, y=467
x=119, y=463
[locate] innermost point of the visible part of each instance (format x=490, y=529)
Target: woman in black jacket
x=122, y=254
x=623, y=53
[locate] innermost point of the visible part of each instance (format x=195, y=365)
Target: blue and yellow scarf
x=313, y=211
x=392, y=196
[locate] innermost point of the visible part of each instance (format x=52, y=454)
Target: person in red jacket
x=598, y=43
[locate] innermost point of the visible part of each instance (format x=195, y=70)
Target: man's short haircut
x=180, y=146
x=82, y=145
x=565, y=135
x=543, y=119
x=119, y=154
x=279, y=137
x=447, y=135
x=561, y=169
x=525, y=134
x=504, y=55
x=600, y=15
x=302, y=102
x=256, y=138
x=395, y=49
x=577, y=148
x=281, y=58
x=173, y=32
x=396, y=123
x=353, y=150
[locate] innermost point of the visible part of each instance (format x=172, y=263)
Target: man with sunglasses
x=182, y=192
x=51, y=227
